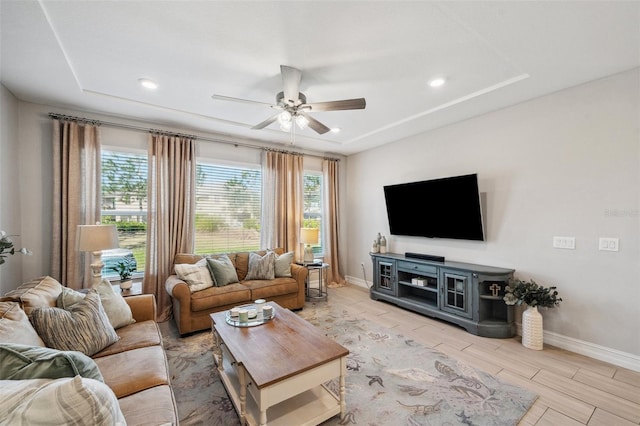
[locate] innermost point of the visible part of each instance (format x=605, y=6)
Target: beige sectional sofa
x=191, y=309
x=134, y=367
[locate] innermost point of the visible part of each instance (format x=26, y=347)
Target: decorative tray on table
x=255, y=317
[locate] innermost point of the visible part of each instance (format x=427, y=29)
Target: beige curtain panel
x=282, y=200
x=171, y=211
x=330, y=172
x=76, y=197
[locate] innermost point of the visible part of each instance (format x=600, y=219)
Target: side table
x=320, y=292
x=135, y=289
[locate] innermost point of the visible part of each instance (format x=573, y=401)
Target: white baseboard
x=602, y=353
x=592, y=350
x=358, y=282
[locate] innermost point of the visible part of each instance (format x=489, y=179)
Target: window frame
x=214, y=162
x=118, y=149
x=318, y=249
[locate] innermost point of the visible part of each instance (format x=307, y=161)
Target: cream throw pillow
x=15, y=326
x=68, y=401
x=116, y=308
x=37, y=293
x=197, y=275
x=283, y=264
x=84, y=327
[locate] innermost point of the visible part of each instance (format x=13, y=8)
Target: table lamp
x=308, y=236
x=95, y=238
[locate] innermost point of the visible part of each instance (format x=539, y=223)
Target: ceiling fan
x=293, y=104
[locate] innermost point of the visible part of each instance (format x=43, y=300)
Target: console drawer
x=417, y=267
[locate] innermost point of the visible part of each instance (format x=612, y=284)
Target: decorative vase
x=126, y=285
x=383, y=245
x=532, y=328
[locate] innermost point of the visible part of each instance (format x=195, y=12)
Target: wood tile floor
x=572, y=389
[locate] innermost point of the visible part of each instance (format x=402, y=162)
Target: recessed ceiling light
x=436, y=82
x=335, y=130
x=148, y=84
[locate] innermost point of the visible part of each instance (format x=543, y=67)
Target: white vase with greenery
x=533, y=295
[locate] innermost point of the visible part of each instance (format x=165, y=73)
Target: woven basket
x=532, y=328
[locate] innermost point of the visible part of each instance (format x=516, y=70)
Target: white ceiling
x=89, y=55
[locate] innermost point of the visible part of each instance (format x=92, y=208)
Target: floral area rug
x=391, y=380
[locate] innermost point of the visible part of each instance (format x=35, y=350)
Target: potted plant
x=124, y=267
x=533, y=295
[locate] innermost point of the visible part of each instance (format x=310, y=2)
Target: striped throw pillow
x=84, y=327
x=261, y=267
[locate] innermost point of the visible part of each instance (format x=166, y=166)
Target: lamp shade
x=97, y=237
x=309, y=235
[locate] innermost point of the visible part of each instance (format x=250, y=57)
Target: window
x=313, y=206
x=124, y=203
x=227, y=208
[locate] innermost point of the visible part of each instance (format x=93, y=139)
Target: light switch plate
x=564, y=242
x=608, y=244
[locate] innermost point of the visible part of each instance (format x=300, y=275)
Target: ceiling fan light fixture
x=284, y=117
x=335, y=130
x=285, y=126
x=302, y=121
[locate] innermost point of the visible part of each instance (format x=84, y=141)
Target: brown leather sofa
x=191, y=310
x=135, y=367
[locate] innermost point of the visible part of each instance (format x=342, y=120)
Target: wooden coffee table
x=275, y=372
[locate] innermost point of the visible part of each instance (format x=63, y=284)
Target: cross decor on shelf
x=495, y=289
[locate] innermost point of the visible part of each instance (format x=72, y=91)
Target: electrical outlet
x=608, y=244
x=564, y=242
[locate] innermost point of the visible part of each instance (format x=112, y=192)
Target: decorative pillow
x=37, y=293
x=117, y=310
x=222, y=270
x=84, y=327
x=283, y=264
x=197, y=275
x=67, y=401
x=19, y=362
x=68, y=298
x=261, y=267
x=15, y=326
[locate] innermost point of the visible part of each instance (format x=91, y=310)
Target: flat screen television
x=438, y=208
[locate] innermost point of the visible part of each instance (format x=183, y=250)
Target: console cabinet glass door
x=456, y=293
x=385, y=277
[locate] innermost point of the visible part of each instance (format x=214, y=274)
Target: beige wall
x=567, y=164
x=10, y=188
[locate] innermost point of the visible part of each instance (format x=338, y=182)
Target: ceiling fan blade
x=290, y=82
x=266, y=122
x=315, y=124
x=358, y=103
x=245, y=101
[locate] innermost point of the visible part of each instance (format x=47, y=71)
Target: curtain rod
x=202, y=138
